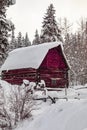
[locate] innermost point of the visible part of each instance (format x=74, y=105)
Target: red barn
x=40, y=62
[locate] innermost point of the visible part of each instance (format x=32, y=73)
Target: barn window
x=53, y=81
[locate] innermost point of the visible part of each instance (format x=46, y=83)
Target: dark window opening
x=53, y=81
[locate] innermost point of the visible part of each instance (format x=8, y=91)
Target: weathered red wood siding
x=54, y=59
x=49, y=75
x=17, y=76
x=54, y=67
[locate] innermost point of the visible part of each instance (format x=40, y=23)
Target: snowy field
x=64, y=115
x=70, y=114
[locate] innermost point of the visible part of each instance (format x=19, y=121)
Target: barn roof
x=28, y=57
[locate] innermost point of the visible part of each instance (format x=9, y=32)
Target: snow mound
x=26, y=82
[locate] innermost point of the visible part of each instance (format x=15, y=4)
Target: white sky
x=27, y=15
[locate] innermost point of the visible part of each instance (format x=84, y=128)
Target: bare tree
x=22, y=102
x=15, y=107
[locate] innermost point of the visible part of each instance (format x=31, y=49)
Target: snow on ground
x=70, y=93
x=64, y=115
x=68, y=114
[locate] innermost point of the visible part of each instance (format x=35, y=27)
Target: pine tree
x=50, y=31
x=27, y=41
x=4, y=28
x=23, y=41
x=19, y=40
x=36, y=40
x=13, y=42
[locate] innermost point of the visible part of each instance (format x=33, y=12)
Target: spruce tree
x=23, y=41
x=36, y=40
x=27, y=41
x=13, y=42
x=50, y=31
x=19, y=40
x=4, y=28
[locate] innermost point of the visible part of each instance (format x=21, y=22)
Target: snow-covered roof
x=28, y=57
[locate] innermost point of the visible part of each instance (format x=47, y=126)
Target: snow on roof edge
x=23, y=58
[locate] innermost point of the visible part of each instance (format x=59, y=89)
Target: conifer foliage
x=4, y=28
x=13, y=42
x=19, y=40
x=23, y=41
x=50, y=31
x=26, y=40
x=36, y=40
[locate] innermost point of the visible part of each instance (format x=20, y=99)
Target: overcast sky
x=27, y=15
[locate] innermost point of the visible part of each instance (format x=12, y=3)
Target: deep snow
x=65, y=114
